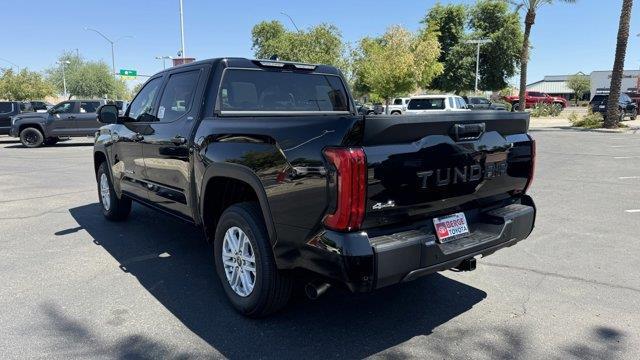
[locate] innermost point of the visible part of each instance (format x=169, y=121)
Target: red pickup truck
x=533, y=97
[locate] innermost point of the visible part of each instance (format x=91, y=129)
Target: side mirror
x=108, y=114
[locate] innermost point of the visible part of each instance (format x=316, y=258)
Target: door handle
x=139, y=137
x=72, y=117
x=179, y=140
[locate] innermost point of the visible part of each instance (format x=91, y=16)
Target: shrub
x=507, y=105
x=546, y=110
x=589, y=121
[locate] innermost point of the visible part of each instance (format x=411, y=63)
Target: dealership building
x=556, y=85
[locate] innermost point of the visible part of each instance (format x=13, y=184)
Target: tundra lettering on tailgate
x=459, y=175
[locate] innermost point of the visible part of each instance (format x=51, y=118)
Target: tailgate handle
x=464, y=132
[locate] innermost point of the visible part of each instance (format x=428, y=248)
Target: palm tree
x=532, y=7
x=613, y=113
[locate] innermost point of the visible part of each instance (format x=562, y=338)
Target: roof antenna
x=274, y=58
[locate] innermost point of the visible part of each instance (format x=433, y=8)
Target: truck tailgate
x=434, y=164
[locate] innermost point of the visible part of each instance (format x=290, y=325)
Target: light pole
x=182, y=52
x=291, y=19
x=112, y=42
x=164, y=58
x=479, y=43
x=64, y=79
x=11, y=62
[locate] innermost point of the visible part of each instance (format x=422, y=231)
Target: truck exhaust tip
x=315, y=290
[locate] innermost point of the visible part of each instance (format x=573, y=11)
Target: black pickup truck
x=289, y=182
x=73, y=118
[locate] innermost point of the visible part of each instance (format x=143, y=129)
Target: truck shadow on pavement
x=175, y=265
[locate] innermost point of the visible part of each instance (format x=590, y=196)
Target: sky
x=565, y=39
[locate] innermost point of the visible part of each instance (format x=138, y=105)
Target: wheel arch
x=238, y=176
x=37, y=126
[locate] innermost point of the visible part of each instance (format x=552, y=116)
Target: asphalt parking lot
x=74, y=285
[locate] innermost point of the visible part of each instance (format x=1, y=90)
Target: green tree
x=399, y=62
x=90, y=79
x=613, y=113
x=580, y=84
x=24, y=85
x=531, y=7
x=499, y=59
x=321, y=44
x=448, y=22
x=487, y=19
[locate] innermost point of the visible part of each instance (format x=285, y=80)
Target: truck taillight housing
x=532, y=170
x=350, y=176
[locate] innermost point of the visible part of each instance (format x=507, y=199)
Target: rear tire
x=113, y=208
x=31, y=137
x=247, y=270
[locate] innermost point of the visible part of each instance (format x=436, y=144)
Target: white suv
x=427, y=103
x=398, y=106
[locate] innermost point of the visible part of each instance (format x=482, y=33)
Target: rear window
x=600, y=98
x=6, y=107
x=269, y=91
x=427, y=104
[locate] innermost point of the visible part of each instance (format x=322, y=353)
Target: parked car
x=9, y=109
x=67, y=119
x=534, y=97
x=398, y=106
x=121, y=105
x=482, y=103
x=289, y=182
x=364, y=109
x=40, y=106
x=628, y=107
x=428, y=103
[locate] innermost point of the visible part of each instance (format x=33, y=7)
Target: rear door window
x=89, y=106
x=276, y=91
x=6, y=107
x=427, y=104
x=178, y=95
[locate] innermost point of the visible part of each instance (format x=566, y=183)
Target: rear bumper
x=367, y=261
x=12, y=131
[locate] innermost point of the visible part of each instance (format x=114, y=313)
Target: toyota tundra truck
x=289, y=183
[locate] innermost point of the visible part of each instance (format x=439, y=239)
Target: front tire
x=634, y=114
x=31, y=137
x=113, y=208
x=245, y=263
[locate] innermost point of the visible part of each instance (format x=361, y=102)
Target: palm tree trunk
x=613, y=114
x=529, y=20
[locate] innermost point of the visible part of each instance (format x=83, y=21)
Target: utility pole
x=479, y=43
x=291, y=19
x=182, y=51
x=64, y=80
x=164, y=58
x=113, y=56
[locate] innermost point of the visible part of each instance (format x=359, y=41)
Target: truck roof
x=261, y=63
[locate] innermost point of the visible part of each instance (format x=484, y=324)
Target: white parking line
x=628, y=177
x=632, y=211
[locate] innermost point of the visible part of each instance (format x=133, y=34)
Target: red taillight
x=351, y=179
x=533, y=165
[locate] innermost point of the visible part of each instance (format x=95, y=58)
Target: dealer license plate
x=451, y=227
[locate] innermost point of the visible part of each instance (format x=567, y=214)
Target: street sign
x=125, y=72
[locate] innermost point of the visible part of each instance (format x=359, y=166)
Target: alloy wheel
x=105, y=192
x=239, y=261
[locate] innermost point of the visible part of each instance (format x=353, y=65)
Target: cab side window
x=89, y=106
x=178, y=95
x=141, y=108
x=63, y=108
